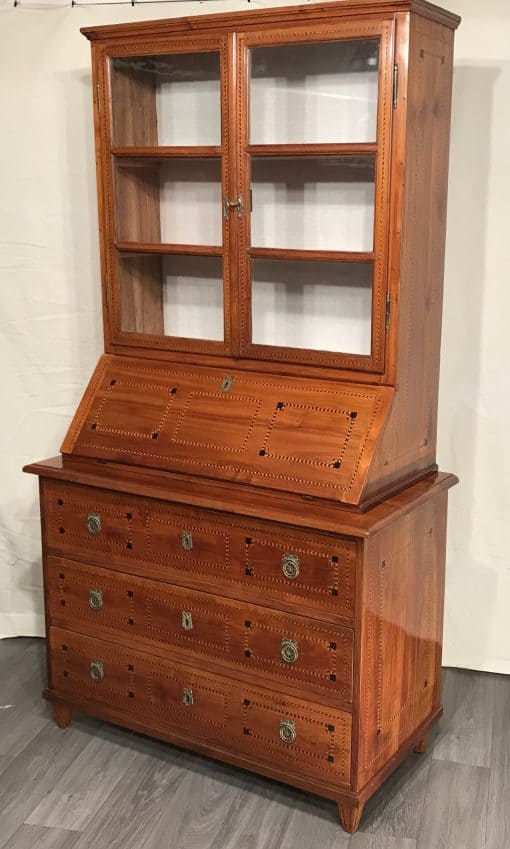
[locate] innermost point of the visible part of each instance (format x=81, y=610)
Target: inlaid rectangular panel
x=242, y=636
x=251, y=560
x=272, y=728
x=274, y=432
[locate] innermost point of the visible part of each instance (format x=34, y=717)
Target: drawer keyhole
x=187, y=697
x=187, y=541
x=187, y=621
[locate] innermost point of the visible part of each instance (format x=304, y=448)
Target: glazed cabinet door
x=245, y=180
x=313, y=162
x=166, y=172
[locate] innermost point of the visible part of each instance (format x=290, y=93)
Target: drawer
x=245, y=637
x=268, y=727
x=253, y=560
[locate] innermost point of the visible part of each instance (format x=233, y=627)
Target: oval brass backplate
x=290, y=566
x=96, y=671
x=95, y=599
x=287, y=730
x=289, y=650
x=94, y=523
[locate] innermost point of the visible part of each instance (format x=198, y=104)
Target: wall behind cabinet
x=50, y=326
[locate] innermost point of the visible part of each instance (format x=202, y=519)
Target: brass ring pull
x=289, y=650
x=287, y=730
x=95, y=599
x=187, y=697
x=290, y=566
x=96, y=671
x=94, y=523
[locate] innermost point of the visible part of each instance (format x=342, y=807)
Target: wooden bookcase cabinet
x=262, y=426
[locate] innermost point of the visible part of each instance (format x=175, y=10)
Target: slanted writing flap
x=310, y=437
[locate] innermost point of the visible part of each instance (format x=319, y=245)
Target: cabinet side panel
x=401, y=622
x=408, y=445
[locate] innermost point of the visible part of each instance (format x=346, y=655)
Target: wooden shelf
x=292, y=253
x=311, y=149
x=162, y=152
x=164, y=248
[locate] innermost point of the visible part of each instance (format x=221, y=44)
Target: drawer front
x=269, y=727
x=257, y=561
x=247, y=637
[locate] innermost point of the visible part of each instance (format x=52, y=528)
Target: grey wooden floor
x=94, y=786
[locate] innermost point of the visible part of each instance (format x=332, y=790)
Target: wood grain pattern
x=408, y=443
x=314, y=439
x=165, y=620
x=262, y=17
x=241, y=718
x=243, y=546
x=400, y=643
x=228, y=556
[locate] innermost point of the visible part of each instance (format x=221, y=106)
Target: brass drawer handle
x=95, y=599
x=187, y=540
x=187, y=621
x=290, y=566
x=94, y=523
x=287, y=730
x=96, y=671
x=187, y=697
x=289, y=650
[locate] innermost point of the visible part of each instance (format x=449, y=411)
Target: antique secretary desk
x=244, y=536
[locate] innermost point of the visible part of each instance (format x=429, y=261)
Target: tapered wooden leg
x=350, y=816
x=422, y=744
x=62, y=714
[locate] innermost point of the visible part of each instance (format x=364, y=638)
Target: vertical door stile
x=231, y=187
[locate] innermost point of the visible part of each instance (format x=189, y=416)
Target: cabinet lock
x=233, y=204
x=187, y=697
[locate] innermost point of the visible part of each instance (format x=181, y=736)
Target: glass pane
x=323, y=306
x=166, y=100
x=177, y=201
x=172, y=295
x=322, y=92
x=312, y=203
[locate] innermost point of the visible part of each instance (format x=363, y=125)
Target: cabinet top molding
x=279, y=15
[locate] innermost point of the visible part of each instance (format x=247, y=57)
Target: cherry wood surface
x=244, y=560
x=314, y=439
x=244, y=545
x=244, y=719
x=201, y=627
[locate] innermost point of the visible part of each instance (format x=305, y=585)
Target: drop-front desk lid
x=309, y=437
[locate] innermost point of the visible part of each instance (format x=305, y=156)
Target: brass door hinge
x=98, y=98
x=395, y=85
x=388, y=311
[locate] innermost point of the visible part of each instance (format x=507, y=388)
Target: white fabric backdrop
x=50, y=331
